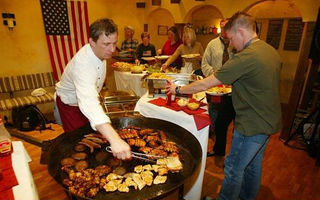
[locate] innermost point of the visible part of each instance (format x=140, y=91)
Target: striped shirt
x=129, y=45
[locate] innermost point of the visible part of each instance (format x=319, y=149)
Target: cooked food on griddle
x=138, y=180
x=68, y=162
x=79, y=156
x=114, y=162
x=80, y=147
x=160, y=179
x=101, y=156
x=81, y=165
x=123, y=187
x=93, y=140
x=119, y=171
x=102, y=170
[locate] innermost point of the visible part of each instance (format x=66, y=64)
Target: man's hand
x=120, y=149
x=170, y=87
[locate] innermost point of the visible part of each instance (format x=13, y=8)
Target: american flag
x=67, y=27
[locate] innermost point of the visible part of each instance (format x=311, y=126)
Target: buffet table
x=130, y=81
x=187, y=122
x=26, y=188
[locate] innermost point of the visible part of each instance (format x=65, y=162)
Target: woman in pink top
x=171, y=45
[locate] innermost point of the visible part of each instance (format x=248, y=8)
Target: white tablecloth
x=186, y=121
x=129, y=81
x=26, y=188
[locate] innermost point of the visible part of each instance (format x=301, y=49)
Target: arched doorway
x=158, y=20
x=204, y=18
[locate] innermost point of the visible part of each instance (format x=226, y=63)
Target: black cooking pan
x=189, y=146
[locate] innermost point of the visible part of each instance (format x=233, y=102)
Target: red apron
x=71, y=116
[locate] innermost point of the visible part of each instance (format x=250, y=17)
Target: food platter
x=162, y=57
x=148, y=58
x=194, y=55
x=219, y=90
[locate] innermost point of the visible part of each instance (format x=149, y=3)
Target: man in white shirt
x=77, y=93
x=220, y=108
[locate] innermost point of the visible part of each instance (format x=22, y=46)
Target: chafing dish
x=118, y=102
x=158, y=85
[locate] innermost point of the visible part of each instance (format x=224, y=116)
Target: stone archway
x=204, y=17
x=156, y=18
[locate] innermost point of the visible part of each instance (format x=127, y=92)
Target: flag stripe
x=80, y=23
x=56, y=46
x=86, y=19
x=75, y=32
x=63, y=46
x=54, y=67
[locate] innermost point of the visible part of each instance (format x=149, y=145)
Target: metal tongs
x=141, y=156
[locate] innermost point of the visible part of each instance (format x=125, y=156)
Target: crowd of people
x=237, y=57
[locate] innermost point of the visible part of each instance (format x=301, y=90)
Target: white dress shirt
x=212, y=57
x=80, y=84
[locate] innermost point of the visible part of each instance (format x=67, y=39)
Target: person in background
x=171, y=45
x=189, y=46
x=254, y=72
x=145, y=49
x=129, y=44
x=222, y=112
x=77, y=93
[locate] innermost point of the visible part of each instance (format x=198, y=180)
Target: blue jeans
x=243, y=167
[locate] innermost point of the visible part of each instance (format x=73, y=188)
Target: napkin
x=201, y=120
x=8, y=178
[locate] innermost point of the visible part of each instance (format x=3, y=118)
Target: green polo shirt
x=254, y=74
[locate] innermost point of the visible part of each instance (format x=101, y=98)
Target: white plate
x=148, y=58
x=163, y=57
x=216, y=93
x=194, y=55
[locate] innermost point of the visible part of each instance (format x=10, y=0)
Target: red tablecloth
x=201, y=120
x=7, y=178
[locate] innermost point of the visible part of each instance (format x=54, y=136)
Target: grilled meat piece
x=136, y=142
x=123, y=187
x=145, y=149
x=160, y=179
x=158, y=152
x=170, y=147
x=68, y=162
x=153, y=144
x=150, y=138
x=80, y=148
x=79, y=156
x=81, y=165
x=90, y=147
x=102, y=170
x=93, y=192
x=146, y=131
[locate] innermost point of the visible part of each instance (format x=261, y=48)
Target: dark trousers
x=221, y=115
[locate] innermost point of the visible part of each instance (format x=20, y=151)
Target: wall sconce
x=9, y=20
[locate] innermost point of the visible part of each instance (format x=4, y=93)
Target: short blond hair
x=192, y=35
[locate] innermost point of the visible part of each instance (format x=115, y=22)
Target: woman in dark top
x=145, y=49
x=171, y=45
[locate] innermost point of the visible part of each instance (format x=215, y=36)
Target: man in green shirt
x=254, y=74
